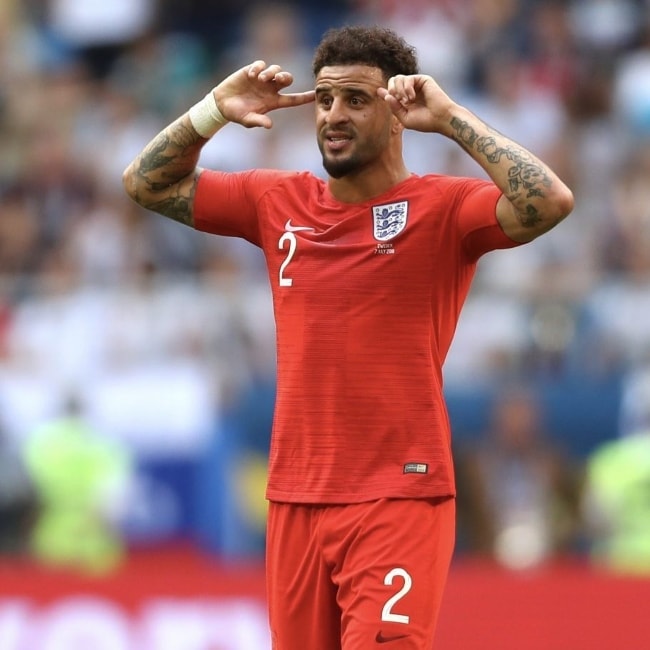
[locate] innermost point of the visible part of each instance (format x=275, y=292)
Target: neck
x=367, y=183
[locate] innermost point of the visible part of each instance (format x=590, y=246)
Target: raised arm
x=164, y=175
x=534, y=199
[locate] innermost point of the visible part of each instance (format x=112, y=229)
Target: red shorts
x=352, y=577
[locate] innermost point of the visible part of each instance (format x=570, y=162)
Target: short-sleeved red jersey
x=366, y=299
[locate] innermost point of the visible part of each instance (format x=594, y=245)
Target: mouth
x=336, y=141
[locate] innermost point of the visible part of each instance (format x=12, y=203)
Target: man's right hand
x=246, y=96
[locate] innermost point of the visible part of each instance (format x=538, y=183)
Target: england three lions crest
x=389, y=220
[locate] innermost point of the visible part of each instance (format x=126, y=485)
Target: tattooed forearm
x=524, y=179
x=169, y=156
x=156, y=156
x=464, y=133
x=163, y=177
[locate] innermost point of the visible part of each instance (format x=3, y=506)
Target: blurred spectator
x=20, y=232
x=609, y=25
x=122, y=122
x=635, y=400
x=126, y=242
x=82, y=482
x=17, y=499
x=617, y=504
x=97, y=31
x=53, y=185
x=22, y=47
x=517, y=491
x=551, y=52
x=624, y=245
x=618, y=308
x=214, y=22
x=493, y=26
x=156, y=73
x=596, y=146
x=631, y=92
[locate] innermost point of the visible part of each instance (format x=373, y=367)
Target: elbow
x=565, y=202
x=535, y=220
x=559, y=208
x=129, y=182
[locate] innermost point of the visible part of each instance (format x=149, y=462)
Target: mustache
x=329, y=132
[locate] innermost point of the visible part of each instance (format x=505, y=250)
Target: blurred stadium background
x=136, y=357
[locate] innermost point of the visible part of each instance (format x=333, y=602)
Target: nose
x=337, y=113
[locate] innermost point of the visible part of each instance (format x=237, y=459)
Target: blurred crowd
x=166, y=336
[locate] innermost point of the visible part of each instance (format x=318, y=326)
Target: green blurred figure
x=81, y=479
x=617, y=503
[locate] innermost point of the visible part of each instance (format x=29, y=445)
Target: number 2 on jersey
x=387, y=611
x=291, y=238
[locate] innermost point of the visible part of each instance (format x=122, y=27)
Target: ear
x=396, y=126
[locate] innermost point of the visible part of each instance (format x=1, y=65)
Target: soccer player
x=368, y=270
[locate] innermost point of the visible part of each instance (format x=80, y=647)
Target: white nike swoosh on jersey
x=289, y=228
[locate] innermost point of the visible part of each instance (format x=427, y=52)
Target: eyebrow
x=346, y=90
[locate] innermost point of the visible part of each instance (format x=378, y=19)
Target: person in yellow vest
x=81, y=479
x=617, y=503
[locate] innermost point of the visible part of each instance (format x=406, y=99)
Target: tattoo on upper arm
x=161, y=167
x=527, y=178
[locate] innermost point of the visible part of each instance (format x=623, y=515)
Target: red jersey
x=366, y=299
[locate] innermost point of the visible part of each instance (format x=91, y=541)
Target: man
x=368, y=271
x=616, y=503
x=82, y=480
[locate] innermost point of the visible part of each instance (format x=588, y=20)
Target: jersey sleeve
x=477, y=218
x=226, y=203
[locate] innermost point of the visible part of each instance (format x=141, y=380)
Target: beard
x=342, y=167
x=338, y=167
x=363, y=153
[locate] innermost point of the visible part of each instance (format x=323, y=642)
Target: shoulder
x=298, y=180
x=453, y=184
x=256, y=181
x=455, y=195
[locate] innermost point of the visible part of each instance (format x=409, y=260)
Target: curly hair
x=377, y=47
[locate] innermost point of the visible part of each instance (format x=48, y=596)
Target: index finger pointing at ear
x=296, y=99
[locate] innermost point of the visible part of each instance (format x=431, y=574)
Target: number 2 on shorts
x=387, y=612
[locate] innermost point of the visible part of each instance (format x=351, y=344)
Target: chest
x=369, y=247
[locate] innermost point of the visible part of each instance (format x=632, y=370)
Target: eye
x=325, y=101
x=356, y=101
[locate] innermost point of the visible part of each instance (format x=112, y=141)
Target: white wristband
x=206, y=117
